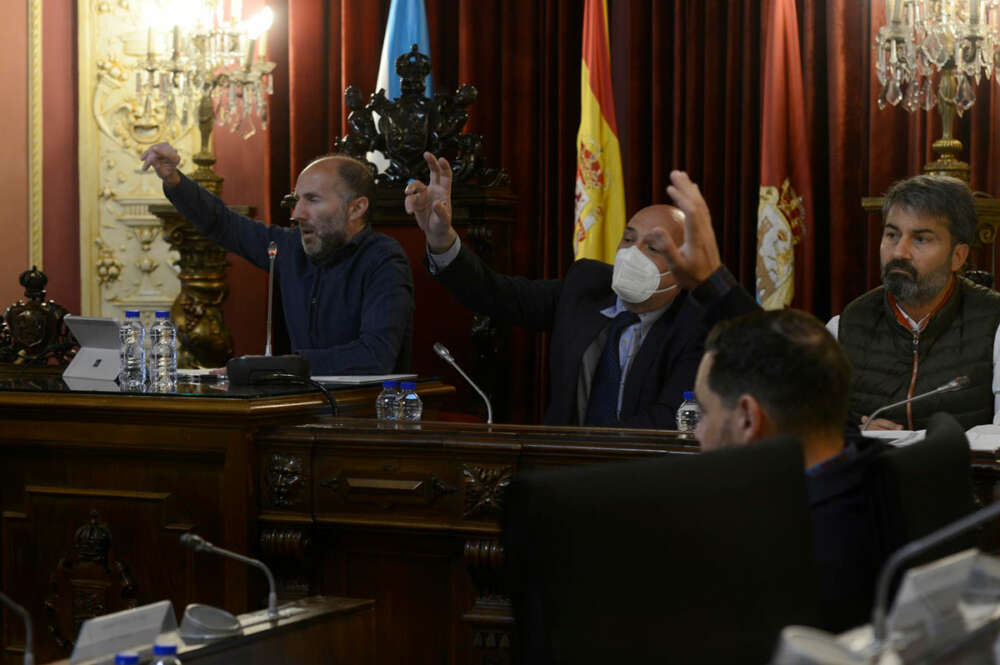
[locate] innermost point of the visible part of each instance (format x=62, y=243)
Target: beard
x=910, y=287
x=323, y=241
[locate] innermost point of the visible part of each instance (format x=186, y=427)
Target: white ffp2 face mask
x=635, y=276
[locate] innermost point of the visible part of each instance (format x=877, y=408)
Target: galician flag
x=600, y=188
x=406, y=26
x=786, y=199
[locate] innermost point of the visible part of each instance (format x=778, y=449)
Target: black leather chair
x=925, y=485
x=699, y=559
x=921, y=487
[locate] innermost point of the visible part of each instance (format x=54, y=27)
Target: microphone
x=272, y=253
x=253, y=370
x=954, y=384
x=199, y=544
x=29, y=657
x=446, y=356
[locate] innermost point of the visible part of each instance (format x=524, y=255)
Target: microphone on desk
x=252, y=370
x=272, y=253
x=446, y=356
x=199, y=544
x=954, y=384
x=29, y=658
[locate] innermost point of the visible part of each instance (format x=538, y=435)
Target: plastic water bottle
x=410, y=404
x=386, y=402
x=688, y=414
x=163, y=354
x=165, y=654
x=126, y=658
x=133, y=353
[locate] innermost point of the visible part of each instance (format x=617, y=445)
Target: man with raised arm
x=626, y=340
x=347, y=290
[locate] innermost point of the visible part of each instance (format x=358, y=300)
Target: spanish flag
x=600, y=189
x=786, y=198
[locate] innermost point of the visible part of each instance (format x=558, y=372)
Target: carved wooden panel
x=392, y=488
x=88, y=552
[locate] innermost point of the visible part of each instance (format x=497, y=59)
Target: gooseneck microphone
x=446, y=356
x=29, y=657
x=199, y=544
x=272, y=253
x=954, y=384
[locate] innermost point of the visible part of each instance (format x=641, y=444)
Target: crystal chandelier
x=214, y=72
x=924, y=37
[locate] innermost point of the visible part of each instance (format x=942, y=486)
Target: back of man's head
x=937, y=196
x=789, y=363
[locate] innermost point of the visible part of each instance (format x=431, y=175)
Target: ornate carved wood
x=482, y=209
x=32, y=330
x=204, y=338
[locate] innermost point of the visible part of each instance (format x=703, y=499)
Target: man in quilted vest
x=926, y=324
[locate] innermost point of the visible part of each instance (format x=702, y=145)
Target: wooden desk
x=95, y=489
x=322, y=630
x=409, y=517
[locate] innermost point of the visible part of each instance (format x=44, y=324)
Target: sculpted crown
x=93, y=540
x=413, y=68
x=34, y=282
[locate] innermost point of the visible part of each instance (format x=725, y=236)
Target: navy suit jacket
x=570, y=309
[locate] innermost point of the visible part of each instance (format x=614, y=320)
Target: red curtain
x=687, y=91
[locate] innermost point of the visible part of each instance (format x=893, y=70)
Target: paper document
x=897, y=437
x=364, y=379
x=984, y=437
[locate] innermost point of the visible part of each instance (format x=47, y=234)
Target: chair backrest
x=694, y=559
x=924, y=486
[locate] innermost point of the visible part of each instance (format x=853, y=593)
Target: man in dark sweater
x=926, y=324
x=347, y=291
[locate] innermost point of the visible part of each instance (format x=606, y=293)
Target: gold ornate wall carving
x=35, y=133
x=124, y=261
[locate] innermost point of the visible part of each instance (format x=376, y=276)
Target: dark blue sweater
x=351, y=315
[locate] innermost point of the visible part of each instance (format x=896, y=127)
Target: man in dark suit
x=626, y=340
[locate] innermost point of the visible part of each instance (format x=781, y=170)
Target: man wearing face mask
x=926, y=324
x=626, y=341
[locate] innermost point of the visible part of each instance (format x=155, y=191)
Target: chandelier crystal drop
x=924, y=37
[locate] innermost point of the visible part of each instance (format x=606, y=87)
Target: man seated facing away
x=781, y=372
x=926, y=324
x=347, y=291
x=626, y=340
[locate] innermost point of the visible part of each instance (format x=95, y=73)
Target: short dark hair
x=357, y=177
x=789, y=362
x=938, y=196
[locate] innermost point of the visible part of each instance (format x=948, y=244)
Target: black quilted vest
x=957, y=341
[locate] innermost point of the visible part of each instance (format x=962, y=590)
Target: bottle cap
x=126, y=658
x=162, y=314
x=390, y=384
x=688, y=395
x=164, y=649
x=409, y=385
x=131, y=314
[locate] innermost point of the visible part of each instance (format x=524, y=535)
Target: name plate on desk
x=102, y=637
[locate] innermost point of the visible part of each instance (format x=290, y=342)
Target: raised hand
x=698, y=256
x=164, y=160
x=430, y=204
